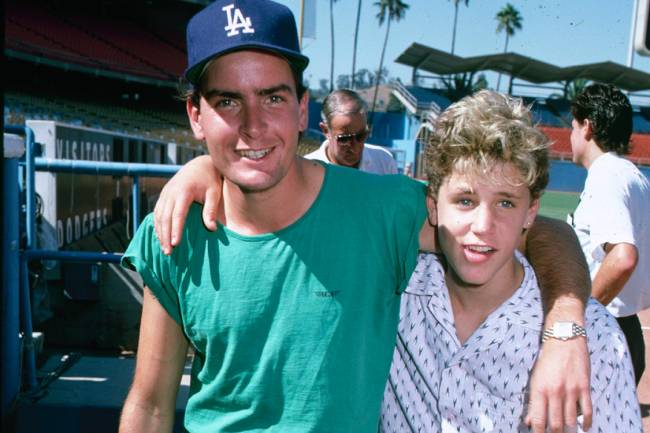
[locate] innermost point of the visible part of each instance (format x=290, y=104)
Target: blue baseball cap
x=233, y=25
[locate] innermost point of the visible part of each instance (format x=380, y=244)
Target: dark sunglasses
x=358, y=137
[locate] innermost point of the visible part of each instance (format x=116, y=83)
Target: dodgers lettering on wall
x=84, y=202
x=78, y=205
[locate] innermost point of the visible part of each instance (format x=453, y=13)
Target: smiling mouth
x=479, y=248
x=253, y=154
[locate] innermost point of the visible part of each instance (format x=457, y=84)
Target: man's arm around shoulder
x=553, y=249
x=162, y=350
x=560, y=379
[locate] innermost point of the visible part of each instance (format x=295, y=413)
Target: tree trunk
x=453, y=33
x=354, y=48
x=332, y=52
x=378, y=76
x=505, y=50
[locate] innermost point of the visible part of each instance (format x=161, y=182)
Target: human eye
x=276, y=99
x=224, y=103
x=507, y=204
x=464, y=202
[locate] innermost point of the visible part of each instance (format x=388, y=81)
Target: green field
x=557, y=204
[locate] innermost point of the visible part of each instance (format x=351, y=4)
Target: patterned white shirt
x=438, y=385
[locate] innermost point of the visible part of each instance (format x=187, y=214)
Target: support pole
x=10, y=301
x=136, y=203
x=26, y=319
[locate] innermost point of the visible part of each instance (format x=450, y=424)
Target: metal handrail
x=33, y=164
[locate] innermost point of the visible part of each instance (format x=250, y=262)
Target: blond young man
x=471, y=317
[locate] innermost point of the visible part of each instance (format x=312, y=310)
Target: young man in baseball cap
x=291, y=306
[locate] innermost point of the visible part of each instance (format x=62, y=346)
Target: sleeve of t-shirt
x=144, y=255
x=391, y=165
x=613, y=223
x=411, y=214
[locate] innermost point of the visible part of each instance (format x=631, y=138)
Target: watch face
x=563, y=330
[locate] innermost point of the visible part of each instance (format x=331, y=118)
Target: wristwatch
x=564, y=331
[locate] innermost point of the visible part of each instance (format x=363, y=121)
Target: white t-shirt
x=615, y=207
x=374, y=159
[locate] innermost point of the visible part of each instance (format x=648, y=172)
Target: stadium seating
x=116, y=45
x=640, y=123
x=561, y=108
x=561, y=148
x=145, y=122
x=544, y=114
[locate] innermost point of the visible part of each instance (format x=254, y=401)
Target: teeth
x=254, y=154
x=479, y=249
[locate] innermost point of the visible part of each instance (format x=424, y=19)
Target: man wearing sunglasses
x=345, y=124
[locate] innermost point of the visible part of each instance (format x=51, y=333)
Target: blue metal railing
x=10, y=281
x=135, y=170
x=31, y=164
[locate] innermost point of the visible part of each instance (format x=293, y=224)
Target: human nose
x=253, y=121
x=483, y=219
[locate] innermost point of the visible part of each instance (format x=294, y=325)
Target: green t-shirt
x=293, y=330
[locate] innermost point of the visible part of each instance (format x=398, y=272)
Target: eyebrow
x=462, y=190
x=223, y=93
x=510, y=196
x=468, y=190
x=275, y=89
x=238, y=95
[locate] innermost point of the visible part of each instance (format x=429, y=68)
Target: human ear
x=304, y=111
x=323, y=127
x=531, y=214
x=587, y=130
x=432, y=208
x=194, y=115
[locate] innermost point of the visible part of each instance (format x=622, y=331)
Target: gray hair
x=342, y=102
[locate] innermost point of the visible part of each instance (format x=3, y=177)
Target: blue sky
x=561, y=32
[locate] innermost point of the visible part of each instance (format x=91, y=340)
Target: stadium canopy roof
x=439, y=62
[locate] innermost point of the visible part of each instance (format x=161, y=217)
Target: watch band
x=554, y=331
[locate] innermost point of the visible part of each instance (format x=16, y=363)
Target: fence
x=19, y=178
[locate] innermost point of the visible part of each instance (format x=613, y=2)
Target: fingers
x=157, y=214
x=162, y=222
x=169, y=216
x=536, y=417
x=587, y=409
x=211, y=207
x=570, y=417
x=555, y=418
x=559, y=385
x=177, y=218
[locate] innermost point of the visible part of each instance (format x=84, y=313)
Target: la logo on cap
x=237, y=21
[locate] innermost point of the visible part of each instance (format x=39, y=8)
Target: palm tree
x=332, y=47
x=453, y=34
x=389, y=10
x=509, y=20
x=573, y=88
x=460, y=85
x=354, y=48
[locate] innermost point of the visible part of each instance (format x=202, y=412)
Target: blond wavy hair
x=481, y=131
